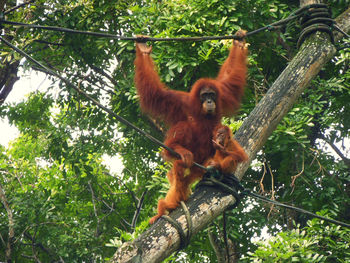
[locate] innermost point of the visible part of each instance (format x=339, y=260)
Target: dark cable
x=182, y=235
x=257, y=196
x=341, y=31
x=305, y=8
x=151, y=39
x=229, y=183
x=273, y=26
x=343, y=47
x=188, y=219
x=315, y=18
x=184, y=239
x=67, y=30
x=314, y=13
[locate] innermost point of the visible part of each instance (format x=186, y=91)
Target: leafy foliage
x=316, y=243
x=67, y=205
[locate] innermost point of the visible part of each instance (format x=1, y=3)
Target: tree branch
x=138, y=210
x=11, y=233
x=336, y=149
x=8, y=77
x=214, y=242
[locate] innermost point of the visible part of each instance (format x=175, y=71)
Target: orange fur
x=191, y=128
x=228, y=151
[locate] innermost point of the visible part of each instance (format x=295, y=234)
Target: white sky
x=22, y=87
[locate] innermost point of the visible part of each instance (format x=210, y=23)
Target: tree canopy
x=59, y=200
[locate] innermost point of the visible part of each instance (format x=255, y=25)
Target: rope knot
x=228, y=183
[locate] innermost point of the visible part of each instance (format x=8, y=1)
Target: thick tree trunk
x=8, y=77
x=8, y=70
x=161, y=240
x=11, y=234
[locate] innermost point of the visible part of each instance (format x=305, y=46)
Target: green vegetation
x=60, y=202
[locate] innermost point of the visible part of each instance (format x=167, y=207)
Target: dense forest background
x=61, y=203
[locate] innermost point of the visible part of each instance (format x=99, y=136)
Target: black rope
x=316, y=18
x=269, y=27
x=343, y=47
x=184, y=239
x=229, y=183
x=110, y=112
x=66, y=30
x=305, y=8
x=182, y=235
x=307, y=11
x=341, y=31
x=188, y=220
x=315, y=14
x=257, y=196
x=346, y=44
x=225, y=182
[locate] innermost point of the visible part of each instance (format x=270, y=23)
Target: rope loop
x=315, y=17
x=184, y=239
x=228, y=183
